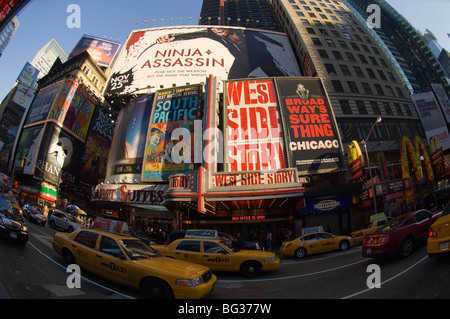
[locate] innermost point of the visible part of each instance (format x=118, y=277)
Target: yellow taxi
x=315, y=243
x=217, y=255
x=439, y=234
x=128, y=261
x=375, y=223
x=16, y=209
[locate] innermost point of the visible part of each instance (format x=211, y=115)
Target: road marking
x=290, y=277
x=386, y=281
x=84, y=278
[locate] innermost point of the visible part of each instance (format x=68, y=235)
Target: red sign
x=254, y=130
x=251, y=179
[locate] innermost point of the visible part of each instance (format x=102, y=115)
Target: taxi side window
x=213, y=248
x=86, y=238
x=189, y=245
x=308, y=237
x=109, y=246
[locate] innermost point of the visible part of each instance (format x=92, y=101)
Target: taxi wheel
x=300, y=253
x=343, y=245
x=154, y=288
x=68, y=257
x=251, y=269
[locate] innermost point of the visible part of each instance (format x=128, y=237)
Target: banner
x=168, y=150
x=314, y=142
x=431, y=118
x=254, y=137
x=174, y=56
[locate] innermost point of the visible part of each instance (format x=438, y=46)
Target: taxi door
x=111, y=262
x=324, y=242
x=83, y=249
x=216, y=257
x=188, y=250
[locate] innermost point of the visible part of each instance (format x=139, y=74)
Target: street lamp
x=378, y=120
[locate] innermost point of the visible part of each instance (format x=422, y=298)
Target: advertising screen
x=168, y=150
x=127, y=148
x=254, y=130
x=314, y=145
x=174, y=56
x=101, y=50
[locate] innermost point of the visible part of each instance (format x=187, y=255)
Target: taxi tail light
x=432, y=233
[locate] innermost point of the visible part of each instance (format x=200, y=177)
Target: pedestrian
x=288, y=234
x=269, y=240
x=329, y=228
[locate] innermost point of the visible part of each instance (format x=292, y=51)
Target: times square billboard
x=174, y=56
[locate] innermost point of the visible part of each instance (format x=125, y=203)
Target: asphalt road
x=35, y=271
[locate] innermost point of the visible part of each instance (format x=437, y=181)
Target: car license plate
x=369, y=250
x=13, y=235
x=443, y=245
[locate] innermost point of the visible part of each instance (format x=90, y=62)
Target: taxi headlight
x=270, y=259
x=189, y=282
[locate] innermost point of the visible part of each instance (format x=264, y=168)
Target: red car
x=400, y=235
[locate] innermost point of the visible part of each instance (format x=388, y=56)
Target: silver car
x=64, y=221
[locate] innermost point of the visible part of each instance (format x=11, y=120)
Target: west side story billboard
x=281, y=122
x=174, y=56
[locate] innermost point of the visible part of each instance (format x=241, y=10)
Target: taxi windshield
x=136, y=249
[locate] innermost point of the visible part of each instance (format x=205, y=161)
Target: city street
x=36, y=271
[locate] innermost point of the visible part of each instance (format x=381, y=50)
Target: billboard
x=43, y=102
x=102, y=51
x=431, y=118
x=174, y=56
x=168, y=150
x=127, y=148
x=28, y=147
x=314, y=145
x=96, y=150
x=254, y=137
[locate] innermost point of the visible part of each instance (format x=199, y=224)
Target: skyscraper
x=258, y=14
x=407, y=45
x=47, y=55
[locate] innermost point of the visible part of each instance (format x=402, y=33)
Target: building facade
x=333, y=43
x=57, y=155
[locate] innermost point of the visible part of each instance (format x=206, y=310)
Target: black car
x=12, y=225
x=34, y=215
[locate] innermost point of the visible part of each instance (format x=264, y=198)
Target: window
x=337, y=86
x=350, y=56
x=323, y=54
x=371, y=73
x=213, y=248
x=362, y=58
x=366, y=88
x=358, y=71
x=345, y=106
x=330, y=43
x=109, y=246
x=330, y=69
x=353, y=87
x=189, y=245
x=337, y=55
x=379, y=89
x=382, y=76
x=316, y=41
x=361, y=107
x=375, y=108
x=86, y=238
x=345, y=70
x=310, y=31
x=421, y=215
x=387, y=108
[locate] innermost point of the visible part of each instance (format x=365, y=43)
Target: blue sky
x=42, y=20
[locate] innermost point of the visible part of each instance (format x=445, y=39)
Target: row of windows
x=376, y=109
x=384, y=131
x=353, y=87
